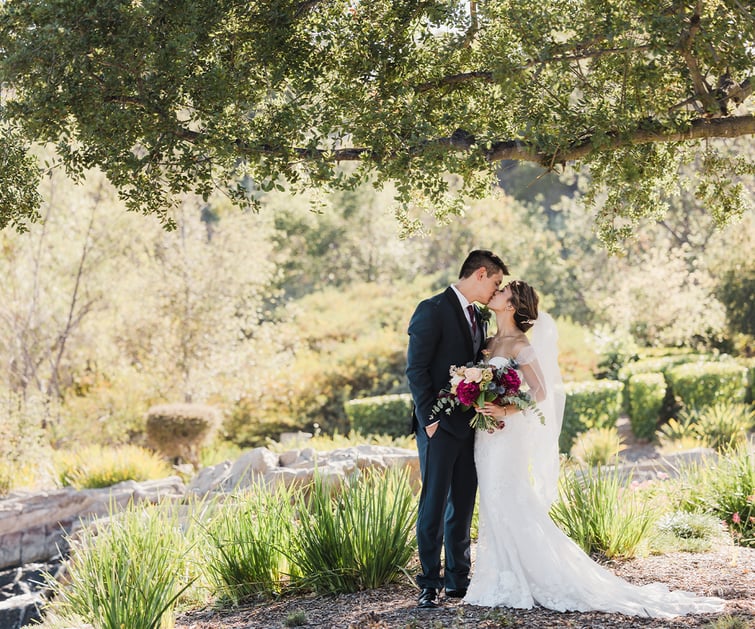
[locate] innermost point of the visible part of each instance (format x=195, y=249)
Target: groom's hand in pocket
x=431, y=428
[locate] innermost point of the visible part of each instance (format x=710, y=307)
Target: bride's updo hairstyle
x=524, y=299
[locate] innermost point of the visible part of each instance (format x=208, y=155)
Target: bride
x=523, y=558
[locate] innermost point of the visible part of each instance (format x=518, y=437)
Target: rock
x=33, y=527
x=248, y=468
x=20, y=610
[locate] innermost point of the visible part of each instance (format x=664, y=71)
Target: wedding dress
x=523, y=558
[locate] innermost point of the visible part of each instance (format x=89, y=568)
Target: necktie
x=470, y=308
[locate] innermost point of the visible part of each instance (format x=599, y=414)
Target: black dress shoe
x=428, y=598
x=460, y=593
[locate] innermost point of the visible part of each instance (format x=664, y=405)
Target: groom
x=446, y=330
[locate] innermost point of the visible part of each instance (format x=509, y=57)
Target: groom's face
x=489, y=284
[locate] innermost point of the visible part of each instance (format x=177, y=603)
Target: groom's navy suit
x=440, y=336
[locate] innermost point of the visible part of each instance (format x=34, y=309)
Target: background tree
x=169, y=98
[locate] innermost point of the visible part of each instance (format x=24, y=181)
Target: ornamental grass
x=247, y=537
x=128, y=571
x=355, y=536
x=602, y=512
x=95, y=466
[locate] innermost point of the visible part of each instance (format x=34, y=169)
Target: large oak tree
x=170, y=96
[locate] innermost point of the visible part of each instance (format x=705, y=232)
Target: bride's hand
x=492, y=410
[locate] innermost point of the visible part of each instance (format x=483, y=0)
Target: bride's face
x=501, y=299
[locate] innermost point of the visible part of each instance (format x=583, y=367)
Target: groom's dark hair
x=482, y=257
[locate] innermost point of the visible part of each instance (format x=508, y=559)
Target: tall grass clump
x=356, y=536
x=248, y=536
x=725, y=488
x=725, y=425
x=597, y=446
x=602, y=513
x=96, y=466
x=127, y=571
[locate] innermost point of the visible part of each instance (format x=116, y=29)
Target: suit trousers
x=446, y=504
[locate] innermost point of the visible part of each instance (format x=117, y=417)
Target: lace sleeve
x=533, y=374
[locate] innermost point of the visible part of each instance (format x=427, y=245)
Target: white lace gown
x=524, y=559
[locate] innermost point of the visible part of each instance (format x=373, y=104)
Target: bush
x=646, y=393
x=651, y=364
x=590, y=404
x=179, y=430
x=725, y=489
x=697, y=385
x=749, y=364
x=688, y=532
x=24, y=452
x=381, y=415
x=315, y=388
x=96, y=466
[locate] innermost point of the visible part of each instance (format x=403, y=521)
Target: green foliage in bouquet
x=381, y=415
x=179, y=430
x=646, y=392
x=589, y=404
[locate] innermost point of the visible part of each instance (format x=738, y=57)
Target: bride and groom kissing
x=522, y=557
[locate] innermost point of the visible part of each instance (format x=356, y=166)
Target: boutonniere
x=484, y=313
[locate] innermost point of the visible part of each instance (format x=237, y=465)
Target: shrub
x=697, y=385
x=688, y=532
x=652, y=364
x=381, y=415
x=179, y=430
x=98, y=466
x=646, y=392
x=597, y=446
x=615, y=350
x=725, y=489
x=24, y=453
x=126, y=572
x=749, y=364
x=601, y=512
x=589, y=404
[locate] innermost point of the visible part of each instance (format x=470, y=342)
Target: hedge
x=589, y=404
x=659, y=364
x=381, y=415
x=698, y=385
x=646, y=393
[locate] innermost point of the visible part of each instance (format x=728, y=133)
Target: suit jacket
x=439, y=336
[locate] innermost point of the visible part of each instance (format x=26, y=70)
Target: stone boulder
x=34, y=527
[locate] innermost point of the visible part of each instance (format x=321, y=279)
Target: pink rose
x=467, y=392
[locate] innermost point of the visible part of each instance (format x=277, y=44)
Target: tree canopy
x=175, y=96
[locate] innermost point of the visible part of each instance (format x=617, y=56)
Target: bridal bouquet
x=477, y=383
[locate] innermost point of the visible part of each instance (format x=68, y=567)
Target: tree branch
x=702, y=89
x=486, y=76
x=699, y=129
